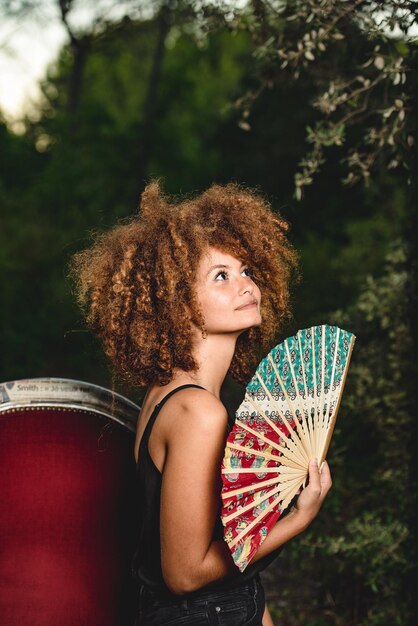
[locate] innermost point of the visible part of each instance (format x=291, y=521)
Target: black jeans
x=242, y=605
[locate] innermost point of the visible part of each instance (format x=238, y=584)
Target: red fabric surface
x=66, y=519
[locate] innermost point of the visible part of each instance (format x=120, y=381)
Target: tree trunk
x=80, y=48
x=148, y=125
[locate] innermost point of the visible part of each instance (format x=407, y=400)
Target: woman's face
x=229, y=298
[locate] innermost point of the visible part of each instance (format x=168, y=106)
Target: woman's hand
x=312, y=496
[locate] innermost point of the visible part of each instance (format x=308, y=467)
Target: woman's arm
x=190, y=493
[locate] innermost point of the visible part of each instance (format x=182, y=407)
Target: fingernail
x=315, y=462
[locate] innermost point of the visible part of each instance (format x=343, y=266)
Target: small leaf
x=379, y=62
x=244, y=125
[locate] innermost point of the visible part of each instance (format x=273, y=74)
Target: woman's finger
x=325, y=476
x=314, y=476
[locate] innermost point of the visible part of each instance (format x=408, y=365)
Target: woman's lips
x=247, y=306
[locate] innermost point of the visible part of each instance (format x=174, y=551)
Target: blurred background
x=315, y=104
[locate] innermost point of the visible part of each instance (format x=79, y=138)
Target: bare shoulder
x=194, y=409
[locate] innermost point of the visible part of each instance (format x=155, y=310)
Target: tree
x=361, y=54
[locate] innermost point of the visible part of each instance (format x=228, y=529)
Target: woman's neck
x=213, y=356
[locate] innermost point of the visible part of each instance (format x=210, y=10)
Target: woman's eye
x=225, y=274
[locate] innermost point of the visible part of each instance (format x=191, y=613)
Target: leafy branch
x=364, y=85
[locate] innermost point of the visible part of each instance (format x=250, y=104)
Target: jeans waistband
x=200, y=594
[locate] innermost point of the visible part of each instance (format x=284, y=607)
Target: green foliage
x=199, y=82
x=361, y=54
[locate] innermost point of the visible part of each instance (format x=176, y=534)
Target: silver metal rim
x=67, y=394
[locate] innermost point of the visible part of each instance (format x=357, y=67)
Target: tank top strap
x=158, y=407
x=172, y=392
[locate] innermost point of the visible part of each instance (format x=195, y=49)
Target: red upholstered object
x=66, y=518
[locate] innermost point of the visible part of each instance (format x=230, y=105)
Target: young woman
x=181, y=295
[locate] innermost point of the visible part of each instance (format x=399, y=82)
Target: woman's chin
x=255, y=325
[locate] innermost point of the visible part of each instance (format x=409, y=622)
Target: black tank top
x=146, y=564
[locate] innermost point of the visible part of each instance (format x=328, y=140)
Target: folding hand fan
x=286, y=418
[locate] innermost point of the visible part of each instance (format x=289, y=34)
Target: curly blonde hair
x=136, y=280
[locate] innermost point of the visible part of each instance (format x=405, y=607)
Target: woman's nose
x=247, y=286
